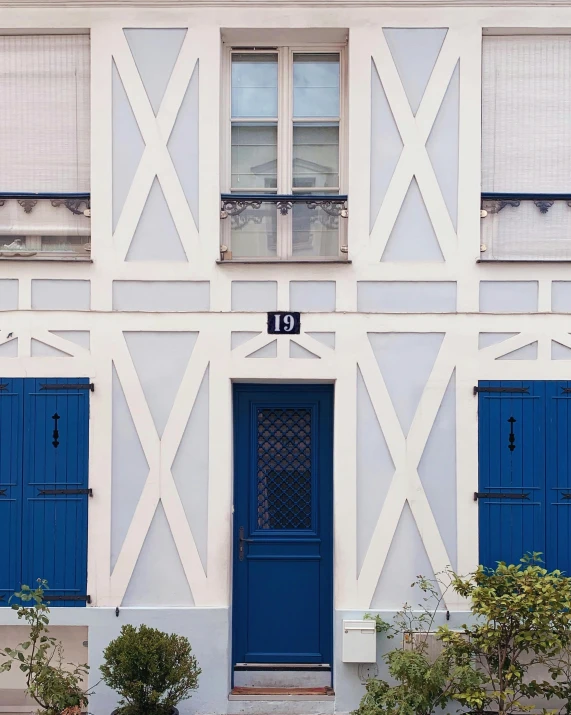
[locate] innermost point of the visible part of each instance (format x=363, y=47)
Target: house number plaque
x=284, y=323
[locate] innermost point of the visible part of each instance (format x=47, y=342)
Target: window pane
x=315, y=233
x=315, y=156
x=254, y=233
x=315, y=85
x=254, y=156
x=254, y=85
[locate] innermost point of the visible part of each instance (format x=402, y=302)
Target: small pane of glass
x=254, y=156
x=254, y=85
x=316, y=85
x=314, y=232
x=254, y=233
x=315, y=156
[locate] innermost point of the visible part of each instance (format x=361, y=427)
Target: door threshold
x=247, y=693
x=282, y=666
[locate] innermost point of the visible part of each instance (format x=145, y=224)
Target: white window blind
x=526, y=145
x=44, y=113
x=526, y=114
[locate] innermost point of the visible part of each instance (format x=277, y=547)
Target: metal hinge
x=86, y=598
x=516, y=390
x=494, y=495
x=89, y=492
x=80, y=386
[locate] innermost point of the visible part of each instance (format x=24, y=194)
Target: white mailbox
x=359, y=642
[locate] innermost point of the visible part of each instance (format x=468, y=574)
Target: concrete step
x=279, y=676
x=270, y=705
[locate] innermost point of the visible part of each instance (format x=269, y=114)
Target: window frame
x=285, y=123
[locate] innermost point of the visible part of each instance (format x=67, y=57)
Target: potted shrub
x=151, y=670
x=56, y=686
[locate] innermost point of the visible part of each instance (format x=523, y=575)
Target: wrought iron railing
x=78, y=203
x=331, y=204
x=493, y=202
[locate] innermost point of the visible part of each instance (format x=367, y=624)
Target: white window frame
x=285, y=122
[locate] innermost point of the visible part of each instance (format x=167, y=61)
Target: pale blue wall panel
x=61, y=294
x=161, y=296
x=8, y=294
x=508, y=296
x=406, y=297
x=129, y=469
x=190, y=469
x=312, y=296
x=160, y=359
x=155, y=51
x=128, y=145
x=254, y=296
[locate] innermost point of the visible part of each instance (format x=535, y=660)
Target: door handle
x=241, y=541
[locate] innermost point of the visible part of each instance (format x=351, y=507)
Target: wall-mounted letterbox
x=359, y=642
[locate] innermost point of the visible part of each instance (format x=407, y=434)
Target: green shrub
x=523, y=619
x=425, y=681
x=152, y=671
x=56, y=686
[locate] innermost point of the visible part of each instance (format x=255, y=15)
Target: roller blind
x=44, y=113
x=526, y=114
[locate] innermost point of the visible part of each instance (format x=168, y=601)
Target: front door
x=283, y=523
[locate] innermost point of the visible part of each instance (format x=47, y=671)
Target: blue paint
x=283, y=585
x=539, y=466
x=47, y=533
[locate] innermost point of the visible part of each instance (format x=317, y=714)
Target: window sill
x=43, y=259
x=288, y=262
x=533, y=261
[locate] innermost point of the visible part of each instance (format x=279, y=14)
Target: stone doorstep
x=249, y=693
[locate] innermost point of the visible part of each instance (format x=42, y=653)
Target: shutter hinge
x=80, y=386
x=4, y=386
x=516, y=390
x=89, y=492
x=3, y=491
x=86, y=598
x=495, y=495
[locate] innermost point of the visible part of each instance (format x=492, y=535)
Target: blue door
x=283, y=524
x=44, y=487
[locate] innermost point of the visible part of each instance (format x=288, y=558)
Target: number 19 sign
x=284, y=323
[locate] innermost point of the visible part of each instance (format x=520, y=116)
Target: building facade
x=395, y=173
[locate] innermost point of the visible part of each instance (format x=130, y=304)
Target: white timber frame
x=460, y=248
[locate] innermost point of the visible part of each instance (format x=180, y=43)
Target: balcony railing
x=45, y=225
x=235, y=204
x=525, y=226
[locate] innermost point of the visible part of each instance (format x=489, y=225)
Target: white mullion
x=284, y=148
x=343, y=139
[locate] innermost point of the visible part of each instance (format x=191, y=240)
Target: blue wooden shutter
x=11, y=405
x=56, y=459
x=558, y=458
x=511, y=462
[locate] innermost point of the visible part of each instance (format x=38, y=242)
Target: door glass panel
x=316, y=85
x=284, y=484
x=254, y=85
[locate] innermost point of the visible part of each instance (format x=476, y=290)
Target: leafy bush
x=56, y=686
x=523, y=619
x=424, y=681
x=152, y=671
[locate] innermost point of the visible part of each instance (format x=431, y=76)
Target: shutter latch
x=496, y=495
x=89, y=492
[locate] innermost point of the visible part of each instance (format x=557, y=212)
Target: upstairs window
x=284, y=191
x=44, y=146
x=526, y=147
